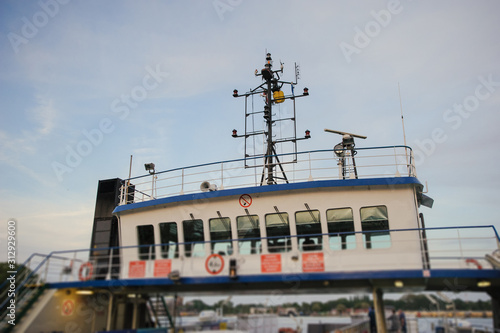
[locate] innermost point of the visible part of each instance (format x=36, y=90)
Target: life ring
x=85, y=271
x=474, y=261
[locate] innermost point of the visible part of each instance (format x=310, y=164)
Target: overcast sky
x=155, y=79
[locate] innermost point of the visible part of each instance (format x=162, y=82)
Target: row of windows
x=340, y=226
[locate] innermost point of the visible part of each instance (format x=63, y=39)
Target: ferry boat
x=333, y=220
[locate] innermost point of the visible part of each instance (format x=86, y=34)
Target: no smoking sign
x=68, y=307
x=245, y=200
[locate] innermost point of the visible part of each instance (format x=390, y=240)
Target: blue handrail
x=56, y=254
x=53, y=253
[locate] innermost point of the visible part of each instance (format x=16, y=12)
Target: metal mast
x=271, y=91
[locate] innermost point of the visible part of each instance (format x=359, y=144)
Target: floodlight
x=483, y=284
x=150, y=167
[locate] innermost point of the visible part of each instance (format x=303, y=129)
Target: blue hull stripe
x=284, y=278
x=270, y=188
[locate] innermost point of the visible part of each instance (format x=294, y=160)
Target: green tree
x=196, y=306
x=227, y=307
x=316, y=307
x=340, y=308
x=305, y=308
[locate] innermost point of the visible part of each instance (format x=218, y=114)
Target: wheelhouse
x=322, y=225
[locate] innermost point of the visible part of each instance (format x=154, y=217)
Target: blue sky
x=71, y=69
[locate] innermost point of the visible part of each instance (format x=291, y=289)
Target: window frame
x=344, y=242
x=190, y=246
x=368, y=236
x=307, y=243
x=213, y=243
x=165, y=251
x=274, y=244
x=146, y=249
x=255, y=240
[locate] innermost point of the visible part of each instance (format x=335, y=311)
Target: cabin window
x=374, y=219
x=169, y=240
x=194, y=239
x=278, y=231
x=248, y=234
x=146, y=241
x=220, y=235
x=340, y=229
x=308, y=230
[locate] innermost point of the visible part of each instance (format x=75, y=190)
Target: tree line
x=407, y=302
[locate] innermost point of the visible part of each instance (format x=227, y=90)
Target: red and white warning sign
x=68, y=307
x=313, y=262
x=214, y=264
x=245, y=200
x=162, y=267
x=270, y=263
x=137, y=269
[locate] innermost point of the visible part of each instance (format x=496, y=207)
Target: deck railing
x=70, y=266
x=372, y=162
x=459, y=247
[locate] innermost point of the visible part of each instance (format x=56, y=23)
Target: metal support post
x=378, y=305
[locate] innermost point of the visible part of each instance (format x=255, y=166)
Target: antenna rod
x=402, y=119
x=403, y=122
x=128, y=181
x=130, y=169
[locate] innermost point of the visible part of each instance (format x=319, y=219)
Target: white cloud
x=45, y=114
x=19, y=148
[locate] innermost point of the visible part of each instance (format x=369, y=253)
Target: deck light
x=306, y=91
x=308, y=134
x=84, y=292
x=398, y=284
x=339, y=150
x=232, y=269
x=235, y=93
x=235, y=133
x=150, y=167
x=483, y=284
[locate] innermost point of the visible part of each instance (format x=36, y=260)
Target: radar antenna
x=346, y=152
x=272, y=93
